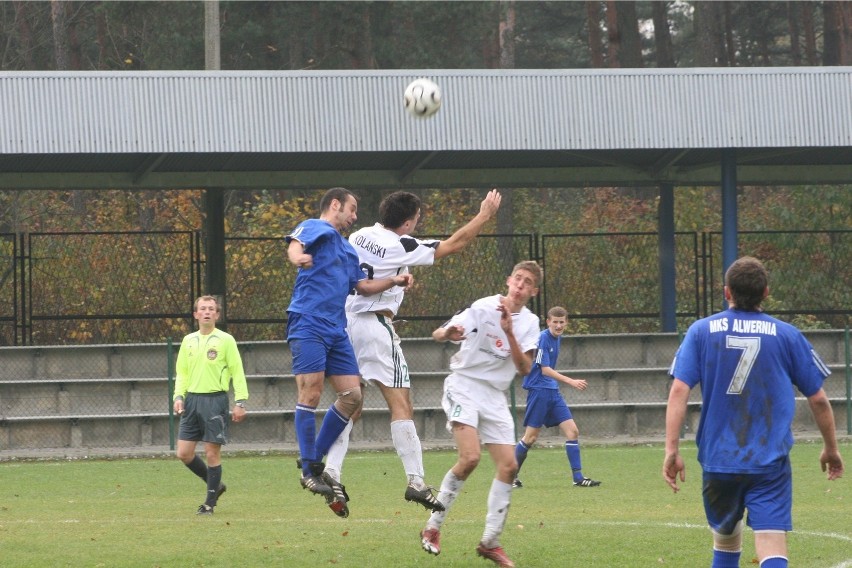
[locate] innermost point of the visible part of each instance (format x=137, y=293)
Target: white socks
x=336, y=453
x=498, y=509
x=409, y=450
x=451, y=486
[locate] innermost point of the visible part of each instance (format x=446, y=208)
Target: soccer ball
x=422, y=98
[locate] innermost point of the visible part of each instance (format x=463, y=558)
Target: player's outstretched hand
x=673, y=467
x=832, y=463
x=580, y=384
x=491, y=203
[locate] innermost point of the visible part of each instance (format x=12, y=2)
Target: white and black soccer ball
x=422, y=98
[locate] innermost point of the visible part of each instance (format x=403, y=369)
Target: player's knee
x=729, y=542
x=530, y=439
x=349, y=401
x=468, y=461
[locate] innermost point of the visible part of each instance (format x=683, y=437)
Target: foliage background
x=159, y=36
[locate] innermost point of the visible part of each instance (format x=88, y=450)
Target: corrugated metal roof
x=342, y=111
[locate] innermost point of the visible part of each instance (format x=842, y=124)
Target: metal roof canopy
x=496, y=128
x=504, y=128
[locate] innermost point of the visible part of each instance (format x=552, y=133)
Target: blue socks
x=521, y=453
x=332, y=426
x=725, y=559
x=774, y=562
x=306, y=433
x=572, y=448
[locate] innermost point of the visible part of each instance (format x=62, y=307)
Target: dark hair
x=397, y=208
x=338, y=193
x=747, y=280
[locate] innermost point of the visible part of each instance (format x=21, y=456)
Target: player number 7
x=750, y=347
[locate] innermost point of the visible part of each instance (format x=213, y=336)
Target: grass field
x=141, y=512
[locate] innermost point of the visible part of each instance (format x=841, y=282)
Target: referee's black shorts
x=205, y=418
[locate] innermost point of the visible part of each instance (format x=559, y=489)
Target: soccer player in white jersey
x=386, y=250
x=747, y=364
x=499, y=337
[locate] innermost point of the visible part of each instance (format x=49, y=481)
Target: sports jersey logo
x=212, y=354
x=499, y=344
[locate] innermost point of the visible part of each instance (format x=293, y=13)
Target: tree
x=662, y=35
x=837, y=27
x=60, y=34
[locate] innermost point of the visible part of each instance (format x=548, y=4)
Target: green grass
x=141, y=512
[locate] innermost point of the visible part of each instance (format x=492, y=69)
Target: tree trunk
x=363, y=38
x=25, y=34
x=630, y=52
x=74, y=52
x=707, y=44
x=795, y=35
x=728, y=50
x=845, y=33
x=101, y=34
x=613, y=34
x=507, y=35
x=832, y=23
x=212, y=38
x=662, y=35
x=593, y=22
x=60, y=37
x=810, y=34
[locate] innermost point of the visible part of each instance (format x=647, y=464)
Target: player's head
x=339, y=206
x=339, y=194
x=200, y=299
x=557, y=319
x=746, y=283
x=397, y=208
x=524, y=281
x=206, y=310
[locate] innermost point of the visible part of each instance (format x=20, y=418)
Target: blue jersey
x=321, y=290
x=748, y=365
x=545, y=356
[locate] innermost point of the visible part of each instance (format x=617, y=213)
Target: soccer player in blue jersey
x=747, y=364
x=545, y=405
x=329, y=271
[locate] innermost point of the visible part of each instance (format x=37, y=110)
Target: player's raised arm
x=463, y=236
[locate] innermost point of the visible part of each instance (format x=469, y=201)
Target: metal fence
x=126, y=287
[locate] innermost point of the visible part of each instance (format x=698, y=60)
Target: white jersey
x=384, y=254
x=485, y=354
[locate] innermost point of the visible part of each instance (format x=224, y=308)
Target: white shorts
x=377, y=348
x=477, y=404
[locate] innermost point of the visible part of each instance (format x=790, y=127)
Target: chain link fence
x=101, y=383
x=119, y=396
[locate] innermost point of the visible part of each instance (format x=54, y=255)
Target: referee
x=207, y=362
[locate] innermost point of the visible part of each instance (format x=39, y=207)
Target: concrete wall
x=116, y=396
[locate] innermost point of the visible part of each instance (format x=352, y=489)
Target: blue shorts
x=767, y=496
x=317, y=346
x=545, y=408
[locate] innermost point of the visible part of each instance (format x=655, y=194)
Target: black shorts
x=205, y=418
